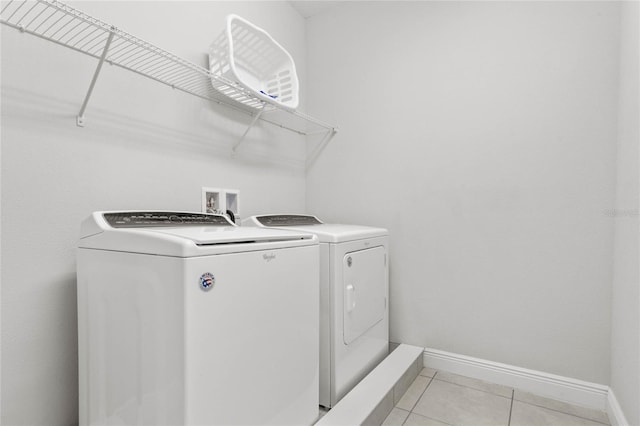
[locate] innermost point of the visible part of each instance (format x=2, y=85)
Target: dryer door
x=364, y=281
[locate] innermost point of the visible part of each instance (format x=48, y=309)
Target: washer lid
x=203, y=235
x=217, y=235
x=326, y=232
x=272, y=220
x=159, y=219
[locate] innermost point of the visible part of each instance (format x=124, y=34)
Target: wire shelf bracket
x=253, y=122
x=321, y=145
x=80, y=117
x=63, y=25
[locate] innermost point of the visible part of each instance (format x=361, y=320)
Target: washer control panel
x=163, y=219
x=288, y=220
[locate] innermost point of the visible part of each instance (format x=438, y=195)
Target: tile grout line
x=457, y=384
x=425, y=389
x=478, y=389
x=561, y=412
x=513, y=392
x=406, y=418
x=426, y=417
x=418, y=399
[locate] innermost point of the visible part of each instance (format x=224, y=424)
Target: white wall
x=144, y=147
x=483, y=135
x=625, y=327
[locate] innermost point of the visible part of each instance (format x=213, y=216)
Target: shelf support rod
x=325, y=140
x=253, y=122
x=80, y=117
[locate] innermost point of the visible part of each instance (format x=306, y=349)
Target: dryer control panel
x=162, y=219
x=288, y=220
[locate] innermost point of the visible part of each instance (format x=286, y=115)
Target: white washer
x=184, y=318
x=354, y=289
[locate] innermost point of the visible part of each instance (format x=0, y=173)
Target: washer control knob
x=175, y=219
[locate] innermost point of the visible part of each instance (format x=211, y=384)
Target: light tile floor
x=438, y=398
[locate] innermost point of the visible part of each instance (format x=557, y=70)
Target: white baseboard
x=616, y=415
x=574, y=391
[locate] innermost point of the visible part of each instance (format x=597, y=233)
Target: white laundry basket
x=250, y=57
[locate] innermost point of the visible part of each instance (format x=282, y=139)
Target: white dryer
x=354, y=289
x=186, y=319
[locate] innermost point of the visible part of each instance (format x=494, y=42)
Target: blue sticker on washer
x=207, y=280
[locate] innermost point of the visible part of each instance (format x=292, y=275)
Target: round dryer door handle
x=351, y=297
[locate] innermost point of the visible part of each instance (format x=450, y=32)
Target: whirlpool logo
x=268, y=257
x=207, y=281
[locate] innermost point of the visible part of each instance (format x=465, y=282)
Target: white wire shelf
x=61, y=24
